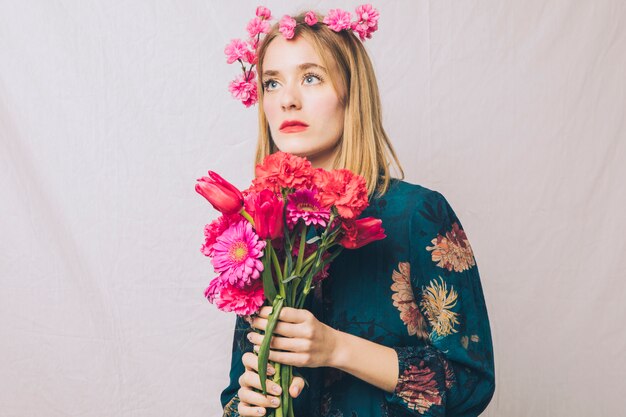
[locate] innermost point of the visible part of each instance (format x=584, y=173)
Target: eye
x=312, y=78
x=270, y=84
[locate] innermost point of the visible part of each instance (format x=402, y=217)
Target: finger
x=288, y=358
x=287, y=314
x=297, y=385
x=256, y=399
x=282, y=328
x=280, y=343
x=251, y=379
x=251, y=362
x=294, y=315
x=246, y=410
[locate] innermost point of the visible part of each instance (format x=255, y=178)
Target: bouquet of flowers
x=275, y=240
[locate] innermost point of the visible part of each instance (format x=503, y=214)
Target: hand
x=306, y=341
x=252, y=403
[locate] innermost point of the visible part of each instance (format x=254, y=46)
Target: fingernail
x=276, y=389
x=270, y=370
x=260, y=411
x=249, y=336
x=275, y=401
x=297, y=390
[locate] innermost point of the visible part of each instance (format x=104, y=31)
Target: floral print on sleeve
x=439, y=287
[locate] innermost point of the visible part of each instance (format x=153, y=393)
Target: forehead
x=286, y=55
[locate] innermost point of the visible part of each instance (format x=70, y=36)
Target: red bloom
x=343, y=189
x=268, y=215
x=222, y=195
x=361, y=232
x=282, y=170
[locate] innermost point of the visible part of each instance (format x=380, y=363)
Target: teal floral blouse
x=417, y=291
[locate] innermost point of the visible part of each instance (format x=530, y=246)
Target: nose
x=290, y=98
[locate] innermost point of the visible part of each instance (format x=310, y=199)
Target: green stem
x=279, y=274
x=247, y=216
x=301, y=249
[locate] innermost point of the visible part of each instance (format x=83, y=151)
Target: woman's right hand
x=252, y=403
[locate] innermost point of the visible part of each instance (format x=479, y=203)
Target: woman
x=400, y=327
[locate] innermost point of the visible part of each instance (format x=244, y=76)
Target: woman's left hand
x=299, y=338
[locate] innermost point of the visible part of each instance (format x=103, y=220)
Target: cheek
x=333, y=110
x=270, y=110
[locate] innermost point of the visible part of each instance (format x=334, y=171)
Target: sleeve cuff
x=423, y=378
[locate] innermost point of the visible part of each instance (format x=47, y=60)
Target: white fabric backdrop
x=110, y=110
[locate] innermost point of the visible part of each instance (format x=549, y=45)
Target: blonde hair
x=364, y=147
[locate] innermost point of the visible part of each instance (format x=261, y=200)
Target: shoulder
x=413, y=195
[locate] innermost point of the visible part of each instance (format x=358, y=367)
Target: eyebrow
x=301, y=67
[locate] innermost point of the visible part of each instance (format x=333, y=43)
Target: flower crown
x=244, y=87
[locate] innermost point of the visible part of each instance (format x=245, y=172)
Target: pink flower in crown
x=244, y=90
x=310, y=18
x=230, y=298
x=338, y=19
x=236, y=49
x=286, y=26
x=237, y=253
x=367, y=21
x=263, y=13
x=303, y=204
x=256, y=26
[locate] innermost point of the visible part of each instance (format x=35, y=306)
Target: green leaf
x=294, y=276
x=264, y=351
x=268, y=281
x=313, y=240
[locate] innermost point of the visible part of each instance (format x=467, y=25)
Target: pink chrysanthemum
x=310, y=18
x=236, y=49
x=257, y=25
x=338, y=19
x=237, y=253
x=242, y=301
x=303, y=204
x=286, y=26
x=244, y=90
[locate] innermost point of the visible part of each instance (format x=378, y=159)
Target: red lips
x=293, y=125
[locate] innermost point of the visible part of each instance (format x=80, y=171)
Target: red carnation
x=282, y=170
x=343, y=189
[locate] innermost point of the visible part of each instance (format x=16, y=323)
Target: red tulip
x=222, y=195
x=360, y=232
x=268, y=215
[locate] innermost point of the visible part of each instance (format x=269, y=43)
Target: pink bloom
x=310, y=18
x=367, y=21
x=235, y=50
x=243, y=90
x=256, y=26
x=263, y=13
x=237, y=254
x=215, y=229
x=230, y=298
x=222, y=195
x=303, y=204
x=286, y=26
x=338, y=19
x=268, y=215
